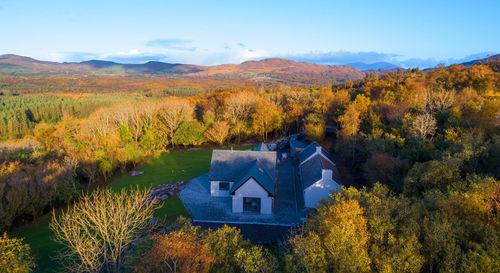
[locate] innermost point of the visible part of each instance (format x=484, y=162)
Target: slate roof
x=262, y=147
x=260, y=175
x=311, y=170
x=297, y=142
x=310, y=150
x=236, y=166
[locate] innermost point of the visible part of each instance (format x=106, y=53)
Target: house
x=318, y=174
x=247, y=177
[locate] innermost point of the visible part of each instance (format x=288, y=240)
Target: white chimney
x=318, y=149
x=327, y=174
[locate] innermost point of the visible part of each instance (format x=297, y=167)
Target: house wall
x=319, y=190
x=214, y=189
x=252, y=189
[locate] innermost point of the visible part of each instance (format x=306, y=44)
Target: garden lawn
x=169, y=167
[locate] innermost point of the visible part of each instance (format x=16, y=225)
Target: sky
x=407, y=33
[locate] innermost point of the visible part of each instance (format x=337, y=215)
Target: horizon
x=323, y=32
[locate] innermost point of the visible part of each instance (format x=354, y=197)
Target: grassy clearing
x=167, y=168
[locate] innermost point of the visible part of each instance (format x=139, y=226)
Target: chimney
x=327, y=174
x=318, y=149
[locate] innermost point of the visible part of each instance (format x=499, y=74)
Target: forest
x=426, y=146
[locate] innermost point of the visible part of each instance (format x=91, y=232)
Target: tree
x=314, y=127
x=172, y=112
x=349, y=122
x=423, y=125
x=177, y=251
x=98, y=229
x=307, y=254
x=218, y=132
x=256, y=260
x=225, y=242
x=190, y=133
x=433, y=174
x=342, y=227
x=15, y=256
x=239, y=108
x=266, y=118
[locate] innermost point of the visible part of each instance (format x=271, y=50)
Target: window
x=251, y=204
x=223, y=186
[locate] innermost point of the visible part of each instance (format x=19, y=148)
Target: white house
x=248, y=177
x=318, y=174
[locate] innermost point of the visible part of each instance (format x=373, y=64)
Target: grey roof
x=310, y=150
x=311, y=170
x=262, y=147
x=259, y=173
x=235, y=166
x=297, y=144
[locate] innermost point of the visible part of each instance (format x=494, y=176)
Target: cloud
x=347, y=57
x=131, y=56
x=138, y=58
x=175, y=44
x=342, y=57
x=234, y=56
x=241, y=44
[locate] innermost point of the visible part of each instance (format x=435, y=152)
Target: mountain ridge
x=269, y=69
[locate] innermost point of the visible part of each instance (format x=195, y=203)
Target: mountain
x=378, y=66
x=271, y=69
x=495, y=59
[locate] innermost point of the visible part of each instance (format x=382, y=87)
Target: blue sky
x=409, y=33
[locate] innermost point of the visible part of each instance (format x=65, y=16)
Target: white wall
x=214, y=189
x=319, y=190
x=252, y=189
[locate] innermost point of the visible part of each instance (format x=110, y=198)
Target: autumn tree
x=267, y=117
x=218, y=132
x=15, y=255
x=177, y=251
x=314, y=127
x=100, y=227
x=349, y=122
x=172, y=112
x=306, y=253
x=239, y=108
x=335, y=239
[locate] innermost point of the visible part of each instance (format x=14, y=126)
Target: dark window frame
x=252, y=204
x=226, y=187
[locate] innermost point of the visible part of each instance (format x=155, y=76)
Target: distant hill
x=493, y=61
x=272, y=69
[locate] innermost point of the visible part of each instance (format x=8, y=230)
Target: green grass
x=167, y=168
x=39, y=236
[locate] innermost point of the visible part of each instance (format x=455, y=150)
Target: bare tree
x=424, y=125
x=172, y=112
x=98, y=229
x=239, y=108
x=439, y=100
